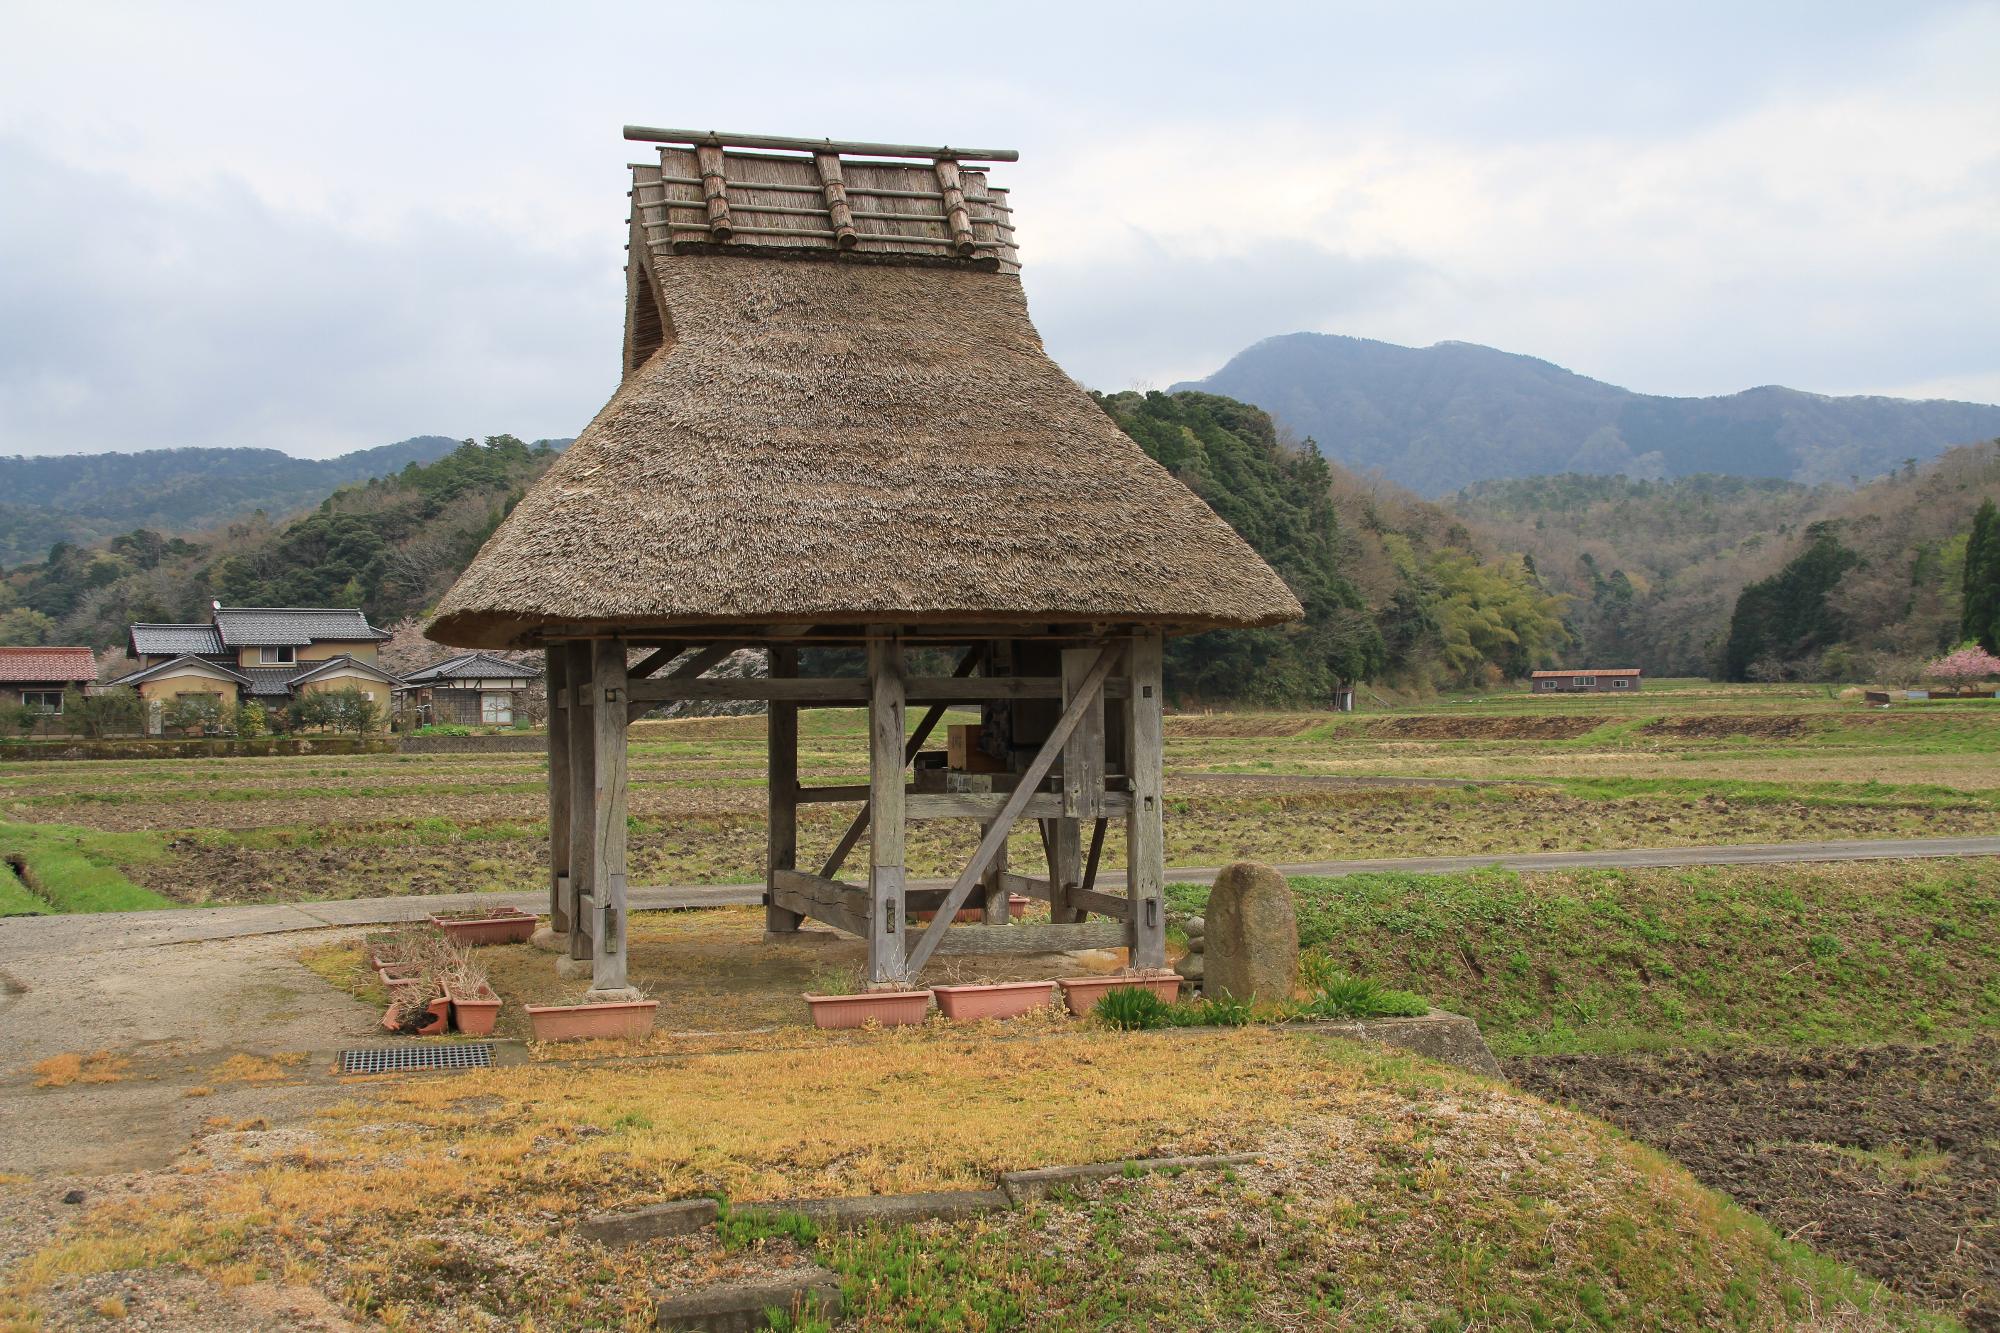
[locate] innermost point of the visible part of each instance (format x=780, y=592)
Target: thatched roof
x=848, y=439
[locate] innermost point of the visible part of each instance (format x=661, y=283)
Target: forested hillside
x=1439, y=418
x=1836, y=583
x=1395, y=590
x=83, y=498
x=391, y=545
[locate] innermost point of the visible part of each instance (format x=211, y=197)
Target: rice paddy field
x=1680, y=764
x=1738, y=1096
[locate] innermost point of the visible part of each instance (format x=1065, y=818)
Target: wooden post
x=1145, y=827
x=582, y=797
x=781, y=750
x=995, y=883
x=607, y=902
x=715, y=190
x=1083, y=789
x=885, y=804
x=999, y=662
x=556, y=679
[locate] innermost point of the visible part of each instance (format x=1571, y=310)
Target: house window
x=1586, y=682
x=1548, y=684
x=496, y=709
x=1619, y=684
x=281, y=656
x=42, y=701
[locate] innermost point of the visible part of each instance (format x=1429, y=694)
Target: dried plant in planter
x=410, y=1010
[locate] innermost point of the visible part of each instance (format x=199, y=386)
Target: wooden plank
x=1065, y=848
x=988, y=805
x=843, y=691
x=833, y=794
x=1032, y=886
x=1145, y=825
x=783, y=143
x=993, y=885
x=781, y=761
x=1104, y=904
x=1023, y=938
x=843, y=906
x=886, y=760
x=556, y=677
x=859, y=824
x=1083, y=757
x=583, y=795
x=996, y=833
x=607, y=902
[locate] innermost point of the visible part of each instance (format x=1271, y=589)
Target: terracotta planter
x=1008, y=999
x=398, y=974
x=1017, y=907
x=440, y=1018
x=1081, y=994
x=584, y=1022
x=498, y=928
x=896, y=1008
x=474, y=1012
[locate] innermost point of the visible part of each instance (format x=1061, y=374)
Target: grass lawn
x=57, y=868
x=1386, y=1193
x=1837, y=953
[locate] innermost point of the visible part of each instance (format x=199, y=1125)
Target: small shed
x=838, y=441
x=472, y=689
x=37, y=678
x=1586, y=680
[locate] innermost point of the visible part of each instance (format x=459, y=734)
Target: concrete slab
x=1022, y=1186
x=888, y=1209
x=681, y=1217
x=739, y=1307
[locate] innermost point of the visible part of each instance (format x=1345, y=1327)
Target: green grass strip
x=78, y=870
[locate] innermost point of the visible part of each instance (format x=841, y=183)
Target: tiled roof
x=473, y=666
x=47, y=664
x=151, y=640
x=1586, y=671
x=184, y=660
x=277, y=626
x=311, y=669
x=270, y=682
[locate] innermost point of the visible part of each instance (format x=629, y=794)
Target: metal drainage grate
x=404, y=1059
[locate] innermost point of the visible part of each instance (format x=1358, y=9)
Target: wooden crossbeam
x=1038, y=938
x=1104, y=904
x=843, y=906
x=988, y=805
x=1003, y=824
x=847, y=691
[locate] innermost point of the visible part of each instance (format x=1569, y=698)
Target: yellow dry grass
x=59, y=1071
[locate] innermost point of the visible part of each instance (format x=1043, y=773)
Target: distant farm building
x=263, y=653
x=473, y=689
x=37, y=678
x=1600, y=680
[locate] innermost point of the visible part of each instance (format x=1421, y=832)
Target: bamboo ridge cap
x=717, y=138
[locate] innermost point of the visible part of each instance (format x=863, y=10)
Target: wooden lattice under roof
x=821, y=199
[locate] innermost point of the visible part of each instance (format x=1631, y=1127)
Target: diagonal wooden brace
x=1003, y=824
x=852, y=838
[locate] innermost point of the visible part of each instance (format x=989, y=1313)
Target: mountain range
x=1436, y=419
x=81, y=498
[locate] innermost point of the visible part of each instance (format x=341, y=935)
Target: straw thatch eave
x=834, y=442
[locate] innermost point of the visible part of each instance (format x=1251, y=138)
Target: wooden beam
x=1083, y=757
x=781, y=759
x=1145, y=826
x=782, y=143
x=607, y=902
x=842, y=906
x=555, y=679
x=996, y=833
x=1096, y=852
x=846, y=691
x=859, y=824
x=656, y=659
x=1104, y=904
x=886, y=759
x=1064, y=844
x=583, y=795
x=986, y=805
x=834, y=794
x=1024, y=938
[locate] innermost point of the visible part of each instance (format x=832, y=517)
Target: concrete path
x=111, y=932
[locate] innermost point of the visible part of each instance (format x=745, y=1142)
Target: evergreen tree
x=1980, y=619
x=1787, y=617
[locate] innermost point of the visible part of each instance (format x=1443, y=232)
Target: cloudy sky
x=326, y=228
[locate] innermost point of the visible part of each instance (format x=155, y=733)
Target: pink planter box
x=499, y=928
x=896, y=1008
x=1017, y=907
x=581, y=1022
x=1007, y=999
x=1081, y=994
x=474, y=1014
